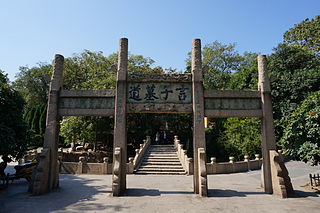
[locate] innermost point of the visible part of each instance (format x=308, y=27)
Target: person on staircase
x=164, y=137
x=157, y=139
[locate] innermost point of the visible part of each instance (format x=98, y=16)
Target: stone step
x=160, y=164
x=160, y=167
x=162, y=155
x=160, y=160
x=160, y=170
x=159, y=173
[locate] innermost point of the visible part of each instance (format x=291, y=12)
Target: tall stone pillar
x=198, y=110
x=120, y=126
x=268, y=135
x=46, y=176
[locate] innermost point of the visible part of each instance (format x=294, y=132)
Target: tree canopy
x=13, y=131
x=305, y=34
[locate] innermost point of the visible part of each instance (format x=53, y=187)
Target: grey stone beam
x=87, y=93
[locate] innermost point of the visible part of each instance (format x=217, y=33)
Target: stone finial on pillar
x=231, y=159
x=246, y=158
x=105, y=160
x=257, y=157
x=213, y=160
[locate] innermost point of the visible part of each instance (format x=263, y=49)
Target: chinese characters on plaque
x=159, y=93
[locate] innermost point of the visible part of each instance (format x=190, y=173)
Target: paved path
x=227, y=193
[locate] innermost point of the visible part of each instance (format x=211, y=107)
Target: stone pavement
x=227, y=193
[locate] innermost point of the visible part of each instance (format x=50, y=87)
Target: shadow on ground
x=230, y=193
x=140, y=192
x=74, y=189
x=303, y=194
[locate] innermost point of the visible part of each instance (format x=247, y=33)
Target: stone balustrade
x=218, y=168
x=187, y=163
x=141, y=152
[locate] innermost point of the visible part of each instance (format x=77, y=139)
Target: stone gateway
x=160, y=93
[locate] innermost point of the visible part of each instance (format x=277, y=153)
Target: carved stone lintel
x=159, y=77
x=159, y=108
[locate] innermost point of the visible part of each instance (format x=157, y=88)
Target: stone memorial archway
x=159, y=93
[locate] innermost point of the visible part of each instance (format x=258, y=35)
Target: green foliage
x=13, y=131
x=218, y=61
x=246, y=77
x=33, y=84
x=302, y=131
x=305, y=34
x=242, y=137
x=78, y=129
x=294, y=73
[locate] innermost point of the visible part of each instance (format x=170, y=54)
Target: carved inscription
x=233, y=103
x=159, y=93
x=86, y=103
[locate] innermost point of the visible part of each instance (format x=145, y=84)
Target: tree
x=218, y=61
x=302, y=131
x=294, y=73
x=33, y=84
x=13, y=131
x=305, y=34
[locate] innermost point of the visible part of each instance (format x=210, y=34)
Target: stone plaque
x=233, y=103
x=159, y=93
x=87, y=103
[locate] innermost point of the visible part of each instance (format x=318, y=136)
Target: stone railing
x=187, y=163
x=140, y=152
x=83, y=167
x=234, y=166
x=217, y=168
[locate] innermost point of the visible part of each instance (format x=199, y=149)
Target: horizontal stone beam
x=86, y=93
x=159, y=108
x=231, y=94
x=233, y=113
x=159, y=78
x=86, y=112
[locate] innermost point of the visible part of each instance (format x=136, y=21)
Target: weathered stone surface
x=268, y=136
x=233, y=113
x=233, y=103
x=159, y=108
x=40, y=177
x=198, y=109
x=159, y=78
x=86, y=103
x=179, y=93
x=281, y=183
x=87, y=93
x=50, y=180
x=116, y=173
x=120, y=128
x=231, y=94
x=203, y=185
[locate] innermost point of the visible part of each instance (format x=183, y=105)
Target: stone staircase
x=161, y=160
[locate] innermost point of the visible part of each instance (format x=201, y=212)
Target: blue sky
x=32, y=31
